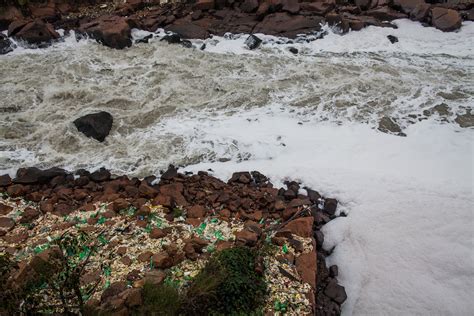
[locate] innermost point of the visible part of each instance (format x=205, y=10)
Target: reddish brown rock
x=155, y=277
x=407, y=6
x=145, y=256
x=420, y=12
x=446, y=20
x=187, y=29
x=306, y=267
x=112, y=31
x=246, y=237
x=162, y=260
x=157, y=233
x=8, y=15
x=284, y=24
x=204, y=5
x=385, y=14
x=249, y=6
x=290, y=6
x=6, y=223
x=302, y=227
x=16, y=190
x=35, y=32
x=5, y=180
x=5, y=209
x=29, y=215
x=196, y=211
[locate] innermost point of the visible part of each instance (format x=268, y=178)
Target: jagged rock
x=446, y=20
x=34, y=32
x=336, y=292
x=249, y=6
x=111, y=31
x=388, y=125
x=34, y=175
x=284, y=24
x=407, y=6
x=253, y=42
x=5, y=45
x=96, y=125
x=187, y=29
x=385, y=14
x=420, y=12
x=290, y=6
x=8, y=15
x=392, y=39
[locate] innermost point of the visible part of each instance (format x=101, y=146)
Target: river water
x=407, y=244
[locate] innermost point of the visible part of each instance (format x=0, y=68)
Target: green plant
x=227, y=285
x=159, y=300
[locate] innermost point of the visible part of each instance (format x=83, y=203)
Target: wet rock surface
x=141, y=238
x=96, y=125
x=110, y=22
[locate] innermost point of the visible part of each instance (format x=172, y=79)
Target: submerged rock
x=392, y=39
x=253, y=42
x=388, y=125
x=5, y=45
x=95, y=125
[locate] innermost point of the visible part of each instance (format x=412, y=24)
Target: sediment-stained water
x=406, y=246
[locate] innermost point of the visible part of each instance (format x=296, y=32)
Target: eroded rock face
x=112, y=31
x=446, y=20
x=34, y=32
x=95, y=125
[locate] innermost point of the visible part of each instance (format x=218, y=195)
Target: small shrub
x=159, y=300
x=227, y=285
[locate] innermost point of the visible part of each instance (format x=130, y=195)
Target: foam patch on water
x=406, y=245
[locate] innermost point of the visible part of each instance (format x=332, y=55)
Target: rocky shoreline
x=110, y=22
x=161, y=232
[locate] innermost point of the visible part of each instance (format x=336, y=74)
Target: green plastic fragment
x=148, y=228
x=285, y=248
x=214, y=220
x=107, y=284
x=218, y=235
x=210, y=248
x=262, y=221
x=107, y=271
x=101, y=220
x=201, y=228
x=103, y=240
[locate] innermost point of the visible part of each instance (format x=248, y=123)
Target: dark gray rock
x=5, y=45
x=96, y=125
x=392, y=39
x=335, y=292
x=253, y=42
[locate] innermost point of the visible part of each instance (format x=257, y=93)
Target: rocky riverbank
x=110, y=22
x=132, y=232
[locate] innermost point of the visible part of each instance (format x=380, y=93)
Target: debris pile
x=129, y=232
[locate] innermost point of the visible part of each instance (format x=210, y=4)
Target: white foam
x=413, y=39
x=407, y=245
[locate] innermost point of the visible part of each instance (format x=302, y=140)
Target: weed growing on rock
x=228, y=284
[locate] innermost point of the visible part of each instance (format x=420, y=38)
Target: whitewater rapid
x=407, y=244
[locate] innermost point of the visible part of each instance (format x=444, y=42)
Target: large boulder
x=407, y=6
x=284, y=24
x=420, y=12
x=8, y=15
x=446, y=20
x=34, y=175
x=111, y=31
x=186, y=29
x=385, y=14
x=34, y=32
x=5, y=45
x=96, y=125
